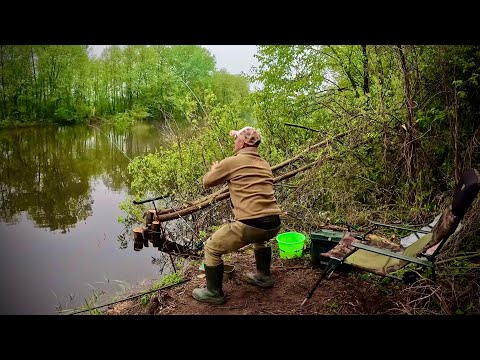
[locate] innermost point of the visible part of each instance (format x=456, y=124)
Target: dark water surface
x=61, y=242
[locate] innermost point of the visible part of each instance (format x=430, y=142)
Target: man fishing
x=257, y=220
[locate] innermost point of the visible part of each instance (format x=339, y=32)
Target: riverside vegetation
x=410, y=114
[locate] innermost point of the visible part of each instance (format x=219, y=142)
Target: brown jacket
x=250, y=182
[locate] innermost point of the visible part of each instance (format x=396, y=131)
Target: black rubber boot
x=262, y=278
x=213, y=293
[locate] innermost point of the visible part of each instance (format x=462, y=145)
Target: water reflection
x=60, y=190
x=46, y=172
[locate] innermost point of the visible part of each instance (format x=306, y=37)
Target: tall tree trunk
x=451, y=106
x=347, y=71
x=35, y=107
x=366, y=86
x=4, y=99
x=52, y=88
x=381, y=81
x=130, y=97
x=472, y=147
x=44, y=91
x=352, y=81
x=455, y=138
x=409, y=145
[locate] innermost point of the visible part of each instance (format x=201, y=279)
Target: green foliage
x=228, y=87
x=393, y=163
x=324, y=88
x=332, y=304
x=168, y=175
x=63, y=114
x=169, y=279
x=166, y=280
x=468, y=309
x=365, y=276
x=460, y=266
x=432, y=116
x=144, y=299
x=126, y=83
x=139, y=112
x=179, y=168
x=409, y=267
x=308, y=241
x=385, y=285
x=134, y=213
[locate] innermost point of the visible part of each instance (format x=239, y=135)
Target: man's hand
x=212, y=167
x=213, y=176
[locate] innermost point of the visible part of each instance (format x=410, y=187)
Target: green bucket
x=290, y=244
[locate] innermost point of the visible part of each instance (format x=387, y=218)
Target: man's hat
x=250, y=135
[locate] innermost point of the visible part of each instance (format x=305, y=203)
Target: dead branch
x=302, y=127
x=324, y=142
x=224, y=190
x=170, y=214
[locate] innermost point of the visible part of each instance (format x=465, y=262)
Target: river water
x=61, y=242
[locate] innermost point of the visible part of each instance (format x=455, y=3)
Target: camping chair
x=381, y=256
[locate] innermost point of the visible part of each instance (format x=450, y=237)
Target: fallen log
x=171, y=214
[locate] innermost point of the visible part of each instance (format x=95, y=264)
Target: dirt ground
x=345, y=292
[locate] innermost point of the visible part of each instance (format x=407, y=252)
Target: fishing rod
x=152, y=200
x=145, y=201
x=132, y=297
